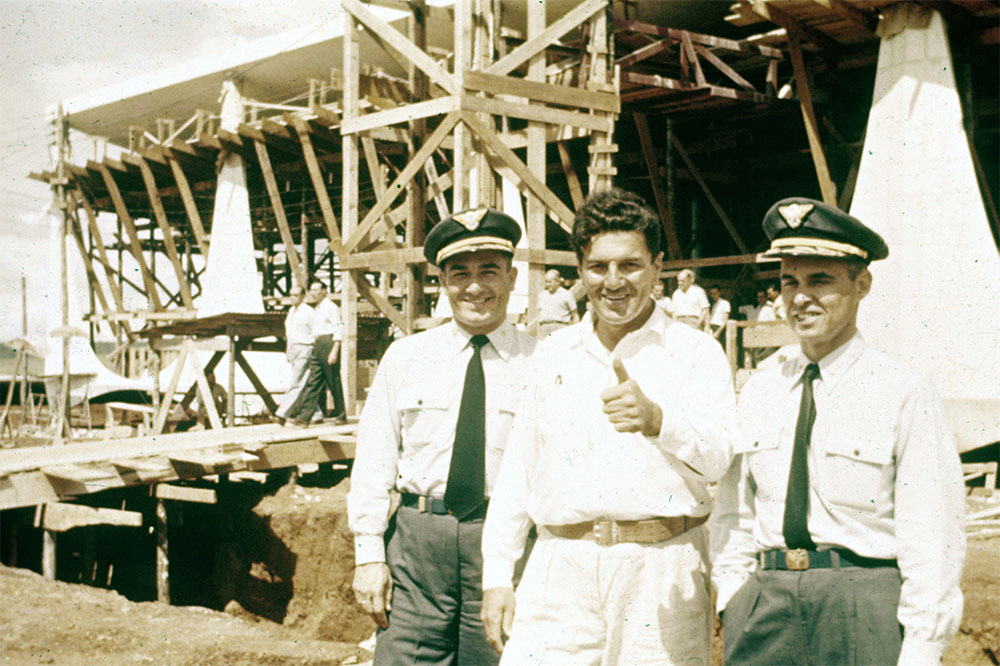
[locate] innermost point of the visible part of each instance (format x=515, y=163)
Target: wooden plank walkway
x=35, y=475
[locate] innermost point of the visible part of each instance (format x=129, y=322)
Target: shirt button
x=420, y=402
x=756, y=444
x=857, y=452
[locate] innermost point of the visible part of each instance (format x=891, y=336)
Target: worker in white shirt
x=556, y=305
x=298, y=347
x=718, y=313
x=628, y=417
x=838, y=534
x=324, y=361
x=434, y=428
x=689, y=303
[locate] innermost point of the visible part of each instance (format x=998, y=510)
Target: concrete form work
x=354, y=138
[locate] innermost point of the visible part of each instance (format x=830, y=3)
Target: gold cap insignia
x=470, y=219
x=795, y=213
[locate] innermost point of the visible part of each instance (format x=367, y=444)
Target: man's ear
x=658, y=262
x=864, y=282
x=512, y=273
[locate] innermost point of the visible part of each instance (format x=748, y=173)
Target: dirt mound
x=47, y=622
x=314, y=551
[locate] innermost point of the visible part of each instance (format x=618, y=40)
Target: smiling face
x=552, y=281
x=618, y=270
x=478, y=285
x=822, y=300
x=316, y=293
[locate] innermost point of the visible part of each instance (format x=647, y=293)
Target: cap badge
x=795, y=213
x=470, y=219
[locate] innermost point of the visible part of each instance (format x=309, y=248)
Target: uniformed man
x=838, y=532
x=627, y=418
x=434, y=428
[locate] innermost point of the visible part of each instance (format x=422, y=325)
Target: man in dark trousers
x=434, y=428
x=324, y=361
x=838, y=533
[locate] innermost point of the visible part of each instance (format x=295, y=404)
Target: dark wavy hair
x=614, y=210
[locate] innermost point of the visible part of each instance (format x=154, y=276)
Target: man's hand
x=628, y=408
x=334, y=353
x=498, y=615
x=373, y=590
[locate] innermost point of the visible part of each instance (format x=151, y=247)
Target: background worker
x=434, y=428
x=298, y=347
x=689, y=303
x=838, y=534
x=556, y=305
x=324, y=361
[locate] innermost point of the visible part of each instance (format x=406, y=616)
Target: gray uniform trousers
x=437, y=569
x=819, y=616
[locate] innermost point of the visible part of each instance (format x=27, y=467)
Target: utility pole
x=60, y=208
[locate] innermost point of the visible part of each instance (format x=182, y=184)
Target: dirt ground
x=300, y=575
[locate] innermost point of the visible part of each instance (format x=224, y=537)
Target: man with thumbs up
x=627, y=417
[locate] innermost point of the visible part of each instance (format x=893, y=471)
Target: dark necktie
x=796, y=528
x=466, y=489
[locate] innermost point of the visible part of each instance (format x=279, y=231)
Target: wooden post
x=162, y=553
x=826, y=184
x=415, y=197
x=349, y=215
x=48, y=554
x=536, y=163
x=65, y=429
x=231, y=396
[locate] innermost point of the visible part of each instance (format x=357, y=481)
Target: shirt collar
x=833, y=366
x=656, y=325
x=503, y=338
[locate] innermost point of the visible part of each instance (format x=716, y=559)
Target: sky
x=51, y=50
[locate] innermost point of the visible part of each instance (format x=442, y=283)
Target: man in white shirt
x=689, y=302
x=777, y=304
x=838, y=533
x=627, y=418
x=752, y=312
x=556, y=305
x=429, y=432
x=660, y=297
x=324, y=361
x=719, y=313
x=298, y=346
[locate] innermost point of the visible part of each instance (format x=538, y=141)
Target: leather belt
x=436, y=505
x=607, y=532
x=799, y=559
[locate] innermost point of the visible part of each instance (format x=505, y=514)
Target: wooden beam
x=167, y=402
x=190, y=207
x=866, y=19
x=535, y=112
x=279, y=213
x=386, y=35
x=60, y=517
x=826, y=185
x=649, y=153
x=169, y=491
x=721, y=65
x=133, y=237
x=319, y=185
x=350, y=202
x=88, y=265
x=258, y=385
x=402, y=114
x=162, y=553
x=399, y=183
x=645, y=52
x=535, y=45
x=742, y=46
x=795, y=27
x=730, y=227
x=562, y=214
x=372, y=295
x=541, y=92
x=688, y=55
x=168, y=237
x=572, y=180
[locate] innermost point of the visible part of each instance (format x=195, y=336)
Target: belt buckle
x=797, y=559
x=605, y=532
x=421, y=504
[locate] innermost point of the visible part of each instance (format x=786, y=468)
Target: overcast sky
x=56, y=49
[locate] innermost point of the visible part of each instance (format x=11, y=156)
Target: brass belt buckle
x=797, y=559
x=605, y=532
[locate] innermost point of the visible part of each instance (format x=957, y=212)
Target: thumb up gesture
x=628, y=408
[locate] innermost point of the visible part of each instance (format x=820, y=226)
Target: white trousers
x=582, y=603
x=298, y=358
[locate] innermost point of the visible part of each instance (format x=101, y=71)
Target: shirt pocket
x=857, y=473
x=423, y=414
x=767, y=452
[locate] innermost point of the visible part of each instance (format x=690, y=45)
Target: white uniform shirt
x=689, y=303
x=884, y=480
x=558, y=306
x=720, y=313
x=326, y=320
x=298, y=325
x=407, y=428
x=566, y=463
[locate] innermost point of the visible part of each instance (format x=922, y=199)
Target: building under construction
x=332, y=152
